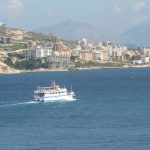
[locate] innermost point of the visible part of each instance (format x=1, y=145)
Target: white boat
x=53, y=93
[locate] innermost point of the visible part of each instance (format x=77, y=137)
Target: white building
x=145, y=60
x=137, y=62
x=146, y=51
x=96, y=56
x=59, y=58
x=2, y=24
x=116, y=51
x=83, y=43
x=38, y=52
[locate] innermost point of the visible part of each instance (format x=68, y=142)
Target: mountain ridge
x=138, y=35
x=73, y=30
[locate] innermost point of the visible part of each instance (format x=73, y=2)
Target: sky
x=112, y=16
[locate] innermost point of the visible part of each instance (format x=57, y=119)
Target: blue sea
x=112, y=111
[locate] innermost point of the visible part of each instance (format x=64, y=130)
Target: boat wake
x=35, y=102
x=16, y=104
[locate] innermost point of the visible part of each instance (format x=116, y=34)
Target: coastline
x=15, y=71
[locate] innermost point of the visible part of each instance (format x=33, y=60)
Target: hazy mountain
x=72, y=30
x=139, y=35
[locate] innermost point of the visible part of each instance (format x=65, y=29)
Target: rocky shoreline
x=9, y=70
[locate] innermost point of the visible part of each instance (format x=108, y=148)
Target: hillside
x=139, y=35
x=72, y=30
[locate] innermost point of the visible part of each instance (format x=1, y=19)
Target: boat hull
x=55, y=98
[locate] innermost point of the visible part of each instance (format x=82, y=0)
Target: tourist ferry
x=53, y=93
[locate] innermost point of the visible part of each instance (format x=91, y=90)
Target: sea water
x=112, y=111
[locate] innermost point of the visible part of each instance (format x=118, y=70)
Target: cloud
x=15, y=6
x=49, y=13
x=138, y=5
x=135, y=12
x=136, y=20
x=118, y=8
x=140, y=11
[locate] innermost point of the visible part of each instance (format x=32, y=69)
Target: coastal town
x=25, y=50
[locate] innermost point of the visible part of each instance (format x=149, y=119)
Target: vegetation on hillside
x=18, y=46
x=28, y=64
x=70, y=44
x=14, y=46
x=94, y=64
x=40, y=36
x=17, y=55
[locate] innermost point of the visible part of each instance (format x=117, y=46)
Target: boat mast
x=71, y=88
